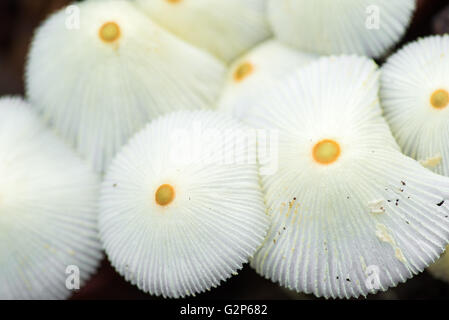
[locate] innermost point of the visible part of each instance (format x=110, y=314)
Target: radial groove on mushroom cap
x=48, y=209
x=99, y=84
x=226, y=28
x=266, y=63
x=173, y=219
x=366, y=27
x=370, y=212
x=414, y=95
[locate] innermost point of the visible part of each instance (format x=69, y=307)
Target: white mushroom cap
x=102, y=82
x=267, y=62
x=347, y=207
x=48, y=209
x=226, y=28
x=365, y=27
x=174, y=219
x=415, y=99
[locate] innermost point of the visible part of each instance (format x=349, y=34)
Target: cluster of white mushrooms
x=121, y=100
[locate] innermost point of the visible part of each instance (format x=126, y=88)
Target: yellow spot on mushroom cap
x=439, y=99
x=384, y=235
x=377, y=206
x=431, y=162
x=165, y=195
x=173, y=1
x=326, y=151
x=243, y=71
x=109, y=32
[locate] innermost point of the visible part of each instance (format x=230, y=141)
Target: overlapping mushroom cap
x=48, y=216
x=264, y=64
x=226, y=28
x=350, y=214
x=181, y=207
x=415, y=98
x=365, y=27
x=100, y=83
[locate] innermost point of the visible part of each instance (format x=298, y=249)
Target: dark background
x=19, y=18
